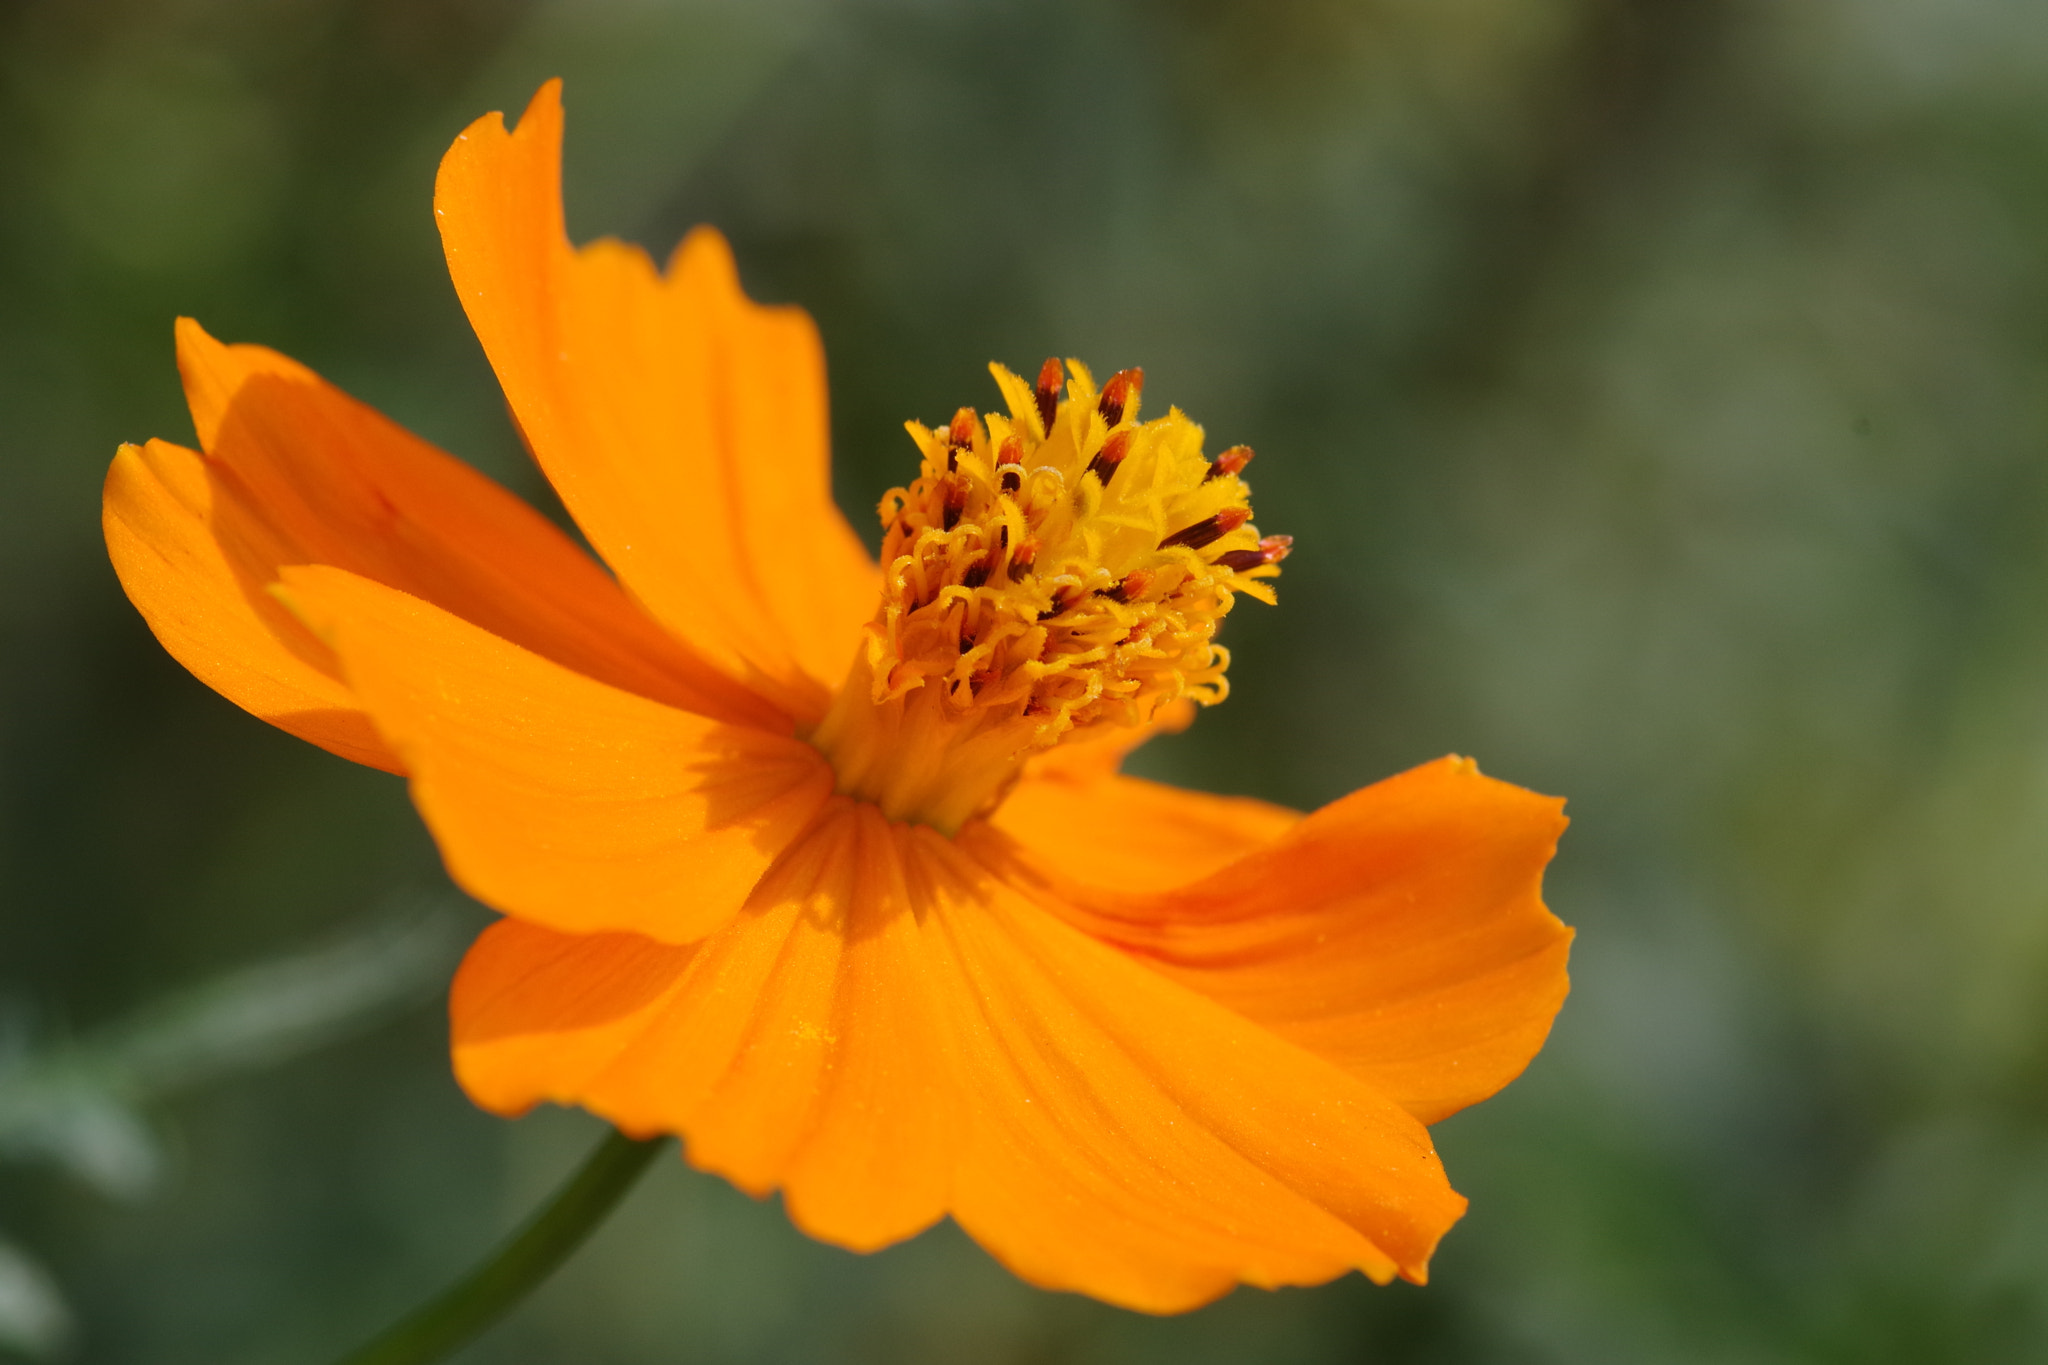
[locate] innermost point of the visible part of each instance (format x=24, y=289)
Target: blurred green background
x=1658, y=394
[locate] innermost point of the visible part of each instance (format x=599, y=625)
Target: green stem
x=518, y=1267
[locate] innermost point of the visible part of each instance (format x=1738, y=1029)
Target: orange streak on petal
x=193, y=558
x=783, y=968
x=795, y=1054
x=877, y=1162
x=683, y=425
x=556, y=798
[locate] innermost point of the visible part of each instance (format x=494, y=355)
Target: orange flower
x=852, y=897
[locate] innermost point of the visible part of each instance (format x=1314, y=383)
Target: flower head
x=1053, y=574
x=824, y=864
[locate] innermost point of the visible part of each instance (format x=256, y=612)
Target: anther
x=1133, y=585
x=1119, y=393
x=961, y=433
x=1231, y=461
x=956, y=501
x=976, y=575
x=1209, y=529
x=1010, y=459
x=1026, y=556
x=1060, y=602
x=1103, y=466
x=959, y=437
x=1271, y=550
x=1048, y=393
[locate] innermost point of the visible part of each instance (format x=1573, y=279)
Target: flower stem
x=517, y=1268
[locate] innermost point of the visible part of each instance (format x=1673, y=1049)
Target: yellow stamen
x=1050, y=572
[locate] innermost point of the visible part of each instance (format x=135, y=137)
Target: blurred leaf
x=34, y=1318
x=76, y=1103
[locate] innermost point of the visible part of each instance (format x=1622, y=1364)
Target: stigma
x=1052, y=571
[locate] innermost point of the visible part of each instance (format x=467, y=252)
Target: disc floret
x=1051, y=571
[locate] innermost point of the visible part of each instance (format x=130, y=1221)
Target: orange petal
x=193, y=558
x=340, y=484
x=1134, y=1141
x=1099, y=751
x=553, y=797
x=1126, y=834
x=795, y=1048
x=299, y=473
x=683, y=425
x=1399, y=932
x=888, y=1034
x=1082, y=820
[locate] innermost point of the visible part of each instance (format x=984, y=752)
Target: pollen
x=1051, y=572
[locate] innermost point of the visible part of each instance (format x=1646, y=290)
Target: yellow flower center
x=1049, y=573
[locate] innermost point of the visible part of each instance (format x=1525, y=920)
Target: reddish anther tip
x=1133, y=586
x=1272, y=549
x=1026, y=556
x=1103, y=466
x=1120, y=393
x=1050, y=377
x=1209, y=529
x=1011, y=451
x=1231, y=461
x=961, y=433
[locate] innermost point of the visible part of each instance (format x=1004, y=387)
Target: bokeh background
x=1658, y=393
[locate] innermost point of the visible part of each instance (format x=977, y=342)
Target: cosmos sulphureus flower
x=825, y=864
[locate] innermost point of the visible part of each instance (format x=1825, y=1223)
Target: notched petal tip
x=705, y=250
x=542, y=115
x=209, y=378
